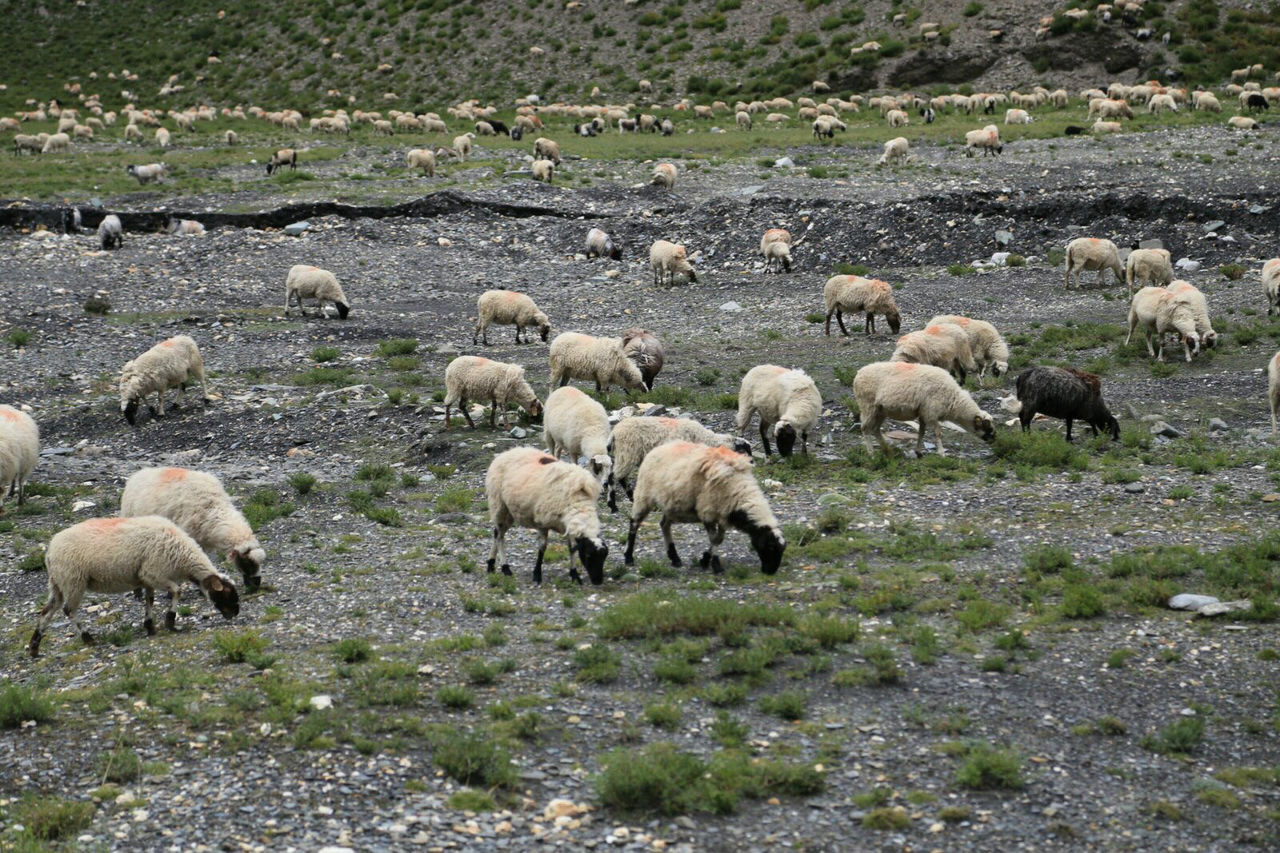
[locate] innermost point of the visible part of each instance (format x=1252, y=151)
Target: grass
x=473, y=759
x=1177, y=738
x=597, y=664
x=48, y=818
x=986, y=767
x=241, y=647
x=19, y=703
x=652, y=614
x=787, y=705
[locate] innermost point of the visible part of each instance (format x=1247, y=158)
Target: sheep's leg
x=149, y=624
x=671, y=543
x=764, y=437
x=519, y=328
x=171, y=614
x=498, y=551
x=462, y=407
x=638, y=515
x=475, y=335
x=715, y=535
x=493, y=414
x=1151, y=350
x=1069, y=421
x=840, y=320
x=1026, y=415
x=920, y=437
x=47, y=613
x=573, y=570
x=804, y=442
x=869, y=325
x=542, y=550
x=937, y=436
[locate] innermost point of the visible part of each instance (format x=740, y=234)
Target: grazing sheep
x=634, y=437
x=283, y=157
x=1148, y=265
x=897, y=148
x=743, y=119
x=56, y=142
x=132, y=132
x=29, y=142
x=897, y=118
x=508, y=308
x=664, y=175
x=162, y=137
x=945, y=346
x=462, y=144
x=1189, y=295
x=1273, y=389
x=543, y=170
x=787, y=401
x=1105, y=108
x=1101, y=126
x=483, y=128
x=646, y=352
x=775, y=245
x=1017, y=117
x=1093, y=253
x=853, y=293
x=578, y=426
x=600, y=245
x=529, y=488
x=382, y=127
x=1242, y=123
x=470, y=377
x=147, y=174
x=988, y=347
x=1271, y=284
x=602, y=360
x=231, y=137
x=310, y=282
x=1063, y=392
x=166, y=365
x=1159, y=103
x=547, y=149
x=1074, y=130
x=186, y=228
x=110, y=232
x=19, y=451
x=987, y=139
x=422, y=158
x=668, y=127
x=1159, y=313
x=667, y=260
x=927, y=394
x=1206, y=101
x=120, y=554
x=197, y=502
x=712, y=486
x=1253, y=101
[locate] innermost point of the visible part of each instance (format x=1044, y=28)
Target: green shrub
x=18, y=337
x=52, y=818
x=658, y=779
x=1232, y=271
x=1048, y=559
x=473, y=759
x=119, y=765
x=597, y=664
x=971, y=9
x=239, y=646
x=19, y=703
x=663, y=715
x=352, y=650
x=987, y=767
x=455, y=696
x=324, y=354
x=302, y=482
x=1082, y=601
x=787, y=705
x=960, y=269
x=1181, y=736
x=397, y=346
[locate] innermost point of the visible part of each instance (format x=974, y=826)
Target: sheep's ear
x=215, y=584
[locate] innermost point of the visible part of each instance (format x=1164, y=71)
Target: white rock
x=322, y=701
x=731, y=307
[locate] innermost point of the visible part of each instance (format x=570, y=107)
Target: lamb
x=422, y=158
x=462, y=144
x=646, y=352
x=186, y=227
x=1242, y=123
x=1273, y=389
x=547, y=149
x=529, y=488
x=232, y=138
x=166, y=365
x=110, y=232
x=1159, y=313
x=897, y=118
x=543, y=170
x=1101, y=126
x=310, y=282
x=634, y=437
x=743, y=118
x=147, y=174
x=603, y=360
x=1017, y=117
x=945, y=346
x=578, y=426
x=471, y=377
x=1271, y=284
x=1063, y=392
x=19, y=451
x=711, y=486
x=664, y=175
x=1093, y=253
x=283, y=157
x=668, y=127
x=987, y=139
x=988, y=347
x=853, y=293
x=667, y=260
x=1149, y=265
x=787, y=401
x=56, y=142
x=162, y=137
x=600, y=244
x=928, y=394
x=120, y=554
x=1187, y=293
x=897, y=148
x=507, y=308
x=197, y=503
x=775, y=245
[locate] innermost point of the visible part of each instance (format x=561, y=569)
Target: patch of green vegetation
x=455, y=696
x=48, y=818
x=597, y=664
x=654, y=614
x=987, y=767
x=787, y=705
x=323, y=354
x=19, y=703
x=302, y=482
x=468, y=800
x=1179, y=737
x=663, y=715
x=352, y=650
x=263, y=507
x=887, y=818
x=473, y=759
x=242, y=647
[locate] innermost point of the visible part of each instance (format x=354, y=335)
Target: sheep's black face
x=270, y=168
x=343, y=310
x=741, y=445
x=614, y=253
x=249, y=569
x=544, y=332
x=592, y=553
x=223, y=595
x=769, y=545
x=984, y=427
x=786, y=438
x=130, y=410
x=894, y=320
x=1111, y=425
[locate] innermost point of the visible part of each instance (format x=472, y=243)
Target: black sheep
x=1257, y=102
x=498, y=127
x=1063, y=392
x=1073, y=130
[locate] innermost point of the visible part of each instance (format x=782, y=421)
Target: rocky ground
x=321, y=715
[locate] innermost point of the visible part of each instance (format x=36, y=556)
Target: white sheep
x=543, y=170
x=634, y=437
x=547, y=149
x=310, y=282
x=1273, y=389
x=988, y=347
x=897, y=148
x=1158, y=312
x=920, y=392
x=1017, y=117
x=945, y=346
x=186, y=228
x=664, y=175
x=166, y=365
x=1101, y=126
x=132, y=132
x=787, y=401
x=121, y=554
x=743, y=118
x=853, y=293
x=987, y=140
x=280, y=159
x=601, y=245
x=19, y=451
x=148, y=173
x=775, y=245
x=29, y=142
x=666, y=260
x=110, y=232
x=603, y=360
x=56, y=142
x=197, y=502
x=232, y=138
x=712, y=486
x=1189, y=295
x=422, y=158
x=506, y=308
x=578, y=426
x=1242, y=123
x=382, y=127
x=462, y=144
x=526, y=487
x=470, y=377
x=162, y=137
x=1206, y=101
x=1148, y=265
x=1093, y=253
x=1271, y=284
x=1162, y=102
x=646, y=353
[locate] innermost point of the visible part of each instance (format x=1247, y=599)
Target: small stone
x=1000, y=258
x=1218, y=425
x=1191, y=601
x=82, y=505
x=1271, y=497
x=1165, y=429
x=784, y=163
x=1003, y=237
x=296, y=228
x=731, y=307
x=560, y=808
x=518, y=432
x=1135, y=488
x=1188, y=265
x=1222, y=607
x=1259, y=208
x=1209, y=228
x=321, y=701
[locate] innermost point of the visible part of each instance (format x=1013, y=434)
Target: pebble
x=731, y=307
x=1218, y=425
x=294, y=229
x=1135, y=488
x=1191, y=601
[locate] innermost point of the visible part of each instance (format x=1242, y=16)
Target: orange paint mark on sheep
x=933, y=330
x=510, y=295
x=880, y=285
x=173, y=475
x=167, y=343
x=669, y=423
x=778, y=371
x=479, y=359
x=727, y=454
x=103, y=525
x=8, y=414
x=904, y=366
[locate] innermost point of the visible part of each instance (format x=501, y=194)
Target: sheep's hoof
x=34, y=646
x=149, y=626
x=674, y=557
x=506, y=570
x=489, y=566
x=171, y=621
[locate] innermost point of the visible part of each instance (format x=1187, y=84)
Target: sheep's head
x=894, y=319
x=1109, y=424
x=222, y=593
x=984, y=426
x=544, y=330
x=601, y=467
x=1210, y=339
x=615, y=251
x=785, y=435
x=534, y=408
x=592, y=552
x=130, y=409
x=248, y=559
x=343, y=310
x=766, y=540
x=1000, y=368
x=741, y=445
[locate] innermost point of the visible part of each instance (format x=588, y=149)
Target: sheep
x=668, y=127
x=1206, y=101
x=433, y=125
x=547, y=149
x=1017, y=117
x=666, y=260
x=743, y=118
x=600, y=245
x=1273, y=389
x=147, y=174
x=711, y=486
x=462, y=144
x=283, y=157
x=382, y=127
x=603, y=360
x=543, y=170
x=897, y=118
x=1149, y=265
x=232, y=138
x=483, y=128
x=56, y=142
x=1161, y=102
x=1253, y=102
x=945, y=346
x=1063, y=392
x=1109, y=108
x=19, y=451
x=197, y=503
x=524, y=486
x=1187, y=293
x=1101, y=126
x=162, y=137
x=28, y=142
x=110, y=232
x=664, y=175
x=1159, y=313
x=1242, y=123
x=120, y=554
x=634, y=437
x=775, y=245
x=928, y=394
x=987, y=139
x=471, y=377
x=314, y=283
x=186, y=227
x=166, y=365
x=132, y=132
x=825, y=127
x=578, y=426
x=646, y=352
x=422, y=158
x=897, y=148
x=1093, y=253
x=1271, y=284
x=508, y=308
x=988, y=347
x=853, y=293
x=787, y=402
